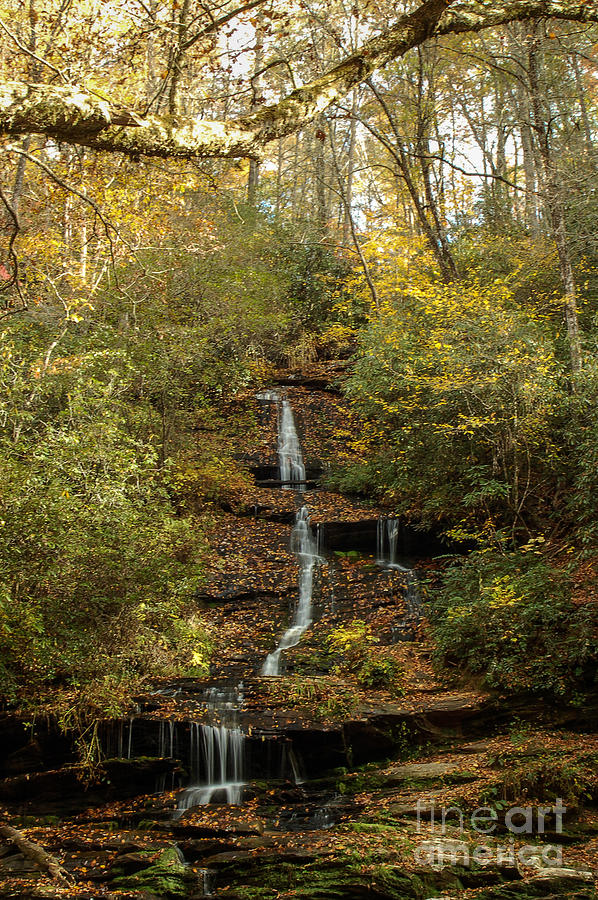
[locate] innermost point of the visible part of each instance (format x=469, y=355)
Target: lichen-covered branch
x=73, y=115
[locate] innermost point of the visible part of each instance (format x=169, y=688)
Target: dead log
x=36, y=853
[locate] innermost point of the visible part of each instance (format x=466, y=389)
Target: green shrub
x=547, y=776
x=359, y=655
x=510, y=618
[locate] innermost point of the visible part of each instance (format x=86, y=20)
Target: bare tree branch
x=36, y=853
x=30, y=53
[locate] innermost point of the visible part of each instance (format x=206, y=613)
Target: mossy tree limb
x=74, y=115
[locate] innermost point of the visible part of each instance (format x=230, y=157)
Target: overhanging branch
x=75, y=116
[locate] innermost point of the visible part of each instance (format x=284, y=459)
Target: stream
x=278, y=775
x=217, y=748
x=229, y=747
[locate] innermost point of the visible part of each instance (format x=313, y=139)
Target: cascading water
x=290, y=457
x=217, y=754
x=221, y=751
x=114, y=736
x=387, y=541
x=303, y=544
x=208, y=879
x=387, y=544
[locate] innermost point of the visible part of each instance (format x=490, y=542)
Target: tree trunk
x=356, y=242
x=350, y=169
x=554, y=197
x=256, y=89
x=398, y=151
x=532, y=218
x=176, y=57
x=583, y=105
x=320, y=177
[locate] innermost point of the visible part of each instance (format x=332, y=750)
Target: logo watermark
x=517, y=821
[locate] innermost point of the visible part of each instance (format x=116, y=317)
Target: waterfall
x=304, y=546
x=413, y=596
x=217, y=759
x=387, y=545
x=290, y=457
x=267, y=397
x=217, y=753
x=208, y=880
x=295, y=767
x=130, y=743
x=388, y=531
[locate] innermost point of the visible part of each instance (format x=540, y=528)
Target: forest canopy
x=198, y=196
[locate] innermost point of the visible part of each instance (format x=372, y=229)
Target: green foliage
x=102, y=485
x=510, y=618
x=98, y=575
x=317, y=279
x=457, y=388
x=578, y=433
x=546, y=776
x=207, y=477
x=356, y=645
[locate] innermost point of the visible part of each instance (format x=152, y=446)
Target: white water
x=207, y=881
x=387, y=538
x=304, y=545
x=267, y=397
x=290, y=457
x=221, y=750
x=217, y=754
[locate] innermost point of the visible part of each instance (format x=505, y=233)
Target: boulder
x=165, y=875
x=431, y=771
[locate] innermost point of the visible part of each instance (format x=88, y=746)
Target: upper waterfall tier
x=290, y=457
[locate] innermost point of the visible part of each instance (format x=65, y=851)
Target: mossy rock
x=165, y=877
x=331, y=880
x=554, y=888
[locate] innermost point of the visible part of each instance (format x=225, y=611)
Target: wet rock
x=566, y=874
x=183, y=828
x=17, y=864
x=233, y=595
x=195, y=850
x=421, y=809
x=24, y=749
x=223, y=861
x=29, y=758
x=92, y=864
x=442, y=851
x=63, y=788
x=130, y=863
x=131, y=777
x=549, y=887
x=255, y=843
x=474, y=747
x=42, y=786
x=118, y=844
x=311, y=382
